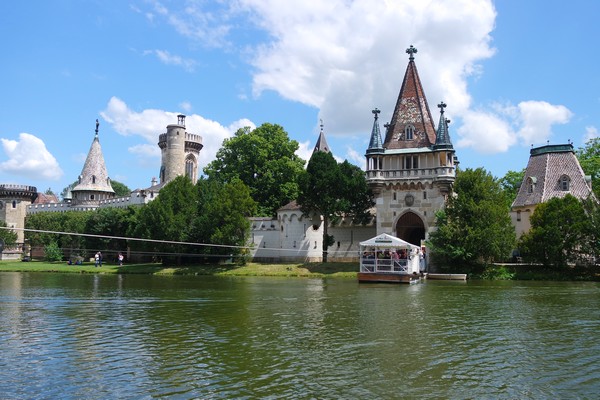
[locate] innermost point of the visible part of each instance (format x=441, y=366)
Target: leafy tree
x=49, y=191
x=558, y=230
x=475, y=227
x=263, y=159
x=7, y=235
x=510, y=183
x=109, y=222
x=222, y=217
x=589, y=159
x=592, y=243
x=52, y=252
x=332, y=191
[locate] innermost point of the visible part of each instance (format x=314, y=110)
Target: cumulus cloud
x=537, y=118
x=29, y=158
x=145, y=123
x=485, y=132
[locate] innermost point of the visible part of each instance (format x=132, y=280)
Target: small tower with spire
x=321, y=144
x=93, y=184
x=180, y=151
x=412, y=171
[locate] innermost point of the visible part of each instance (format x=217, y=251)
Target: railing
x=397, y=266
x=411, y=173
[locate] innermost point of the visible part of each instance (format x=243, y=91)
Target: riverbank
x=311, y=270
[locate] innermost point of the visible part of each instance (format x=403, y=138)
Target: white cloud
x=186, y=106
x=591, y=132
x=355, y=157
x=485, y=132
x=29, y=158
x=149, y=123
x=537, y=118
x=305, y=150
x=170, y=59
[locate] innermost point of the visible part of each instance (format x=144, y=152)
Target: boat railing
x=388, y=265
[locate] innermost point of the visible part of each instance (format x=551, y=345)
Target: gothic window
x=531, y=184
x=565, y=183
x=409, y=131
x=190, y=168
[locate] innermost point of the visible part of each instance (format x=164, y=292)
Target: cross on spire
x=411, y=51
x=441, y=106
x=376, y=112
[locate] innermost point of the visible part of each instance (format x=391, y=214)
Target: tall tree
x=475, y=227
x=589, y=159
x=8, y=236
x=333, y=190
x=263, y=159
x=558, y=230
x=510, y=183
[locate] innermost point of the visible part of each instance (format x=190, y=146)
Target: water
x=73, y=336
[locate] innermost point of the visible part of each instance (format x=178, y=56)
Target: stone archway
x=410, y=228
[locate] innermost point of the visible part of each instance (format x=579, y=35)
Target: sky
x=514, y=74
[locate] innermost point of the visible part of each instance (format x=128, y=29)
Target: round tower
x=14, y=200
x=179, y=152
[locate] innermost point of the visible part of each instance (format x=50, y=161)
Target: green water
x=71, y=336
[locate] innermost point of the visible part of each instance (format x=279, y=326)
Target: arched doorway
x=410, y=228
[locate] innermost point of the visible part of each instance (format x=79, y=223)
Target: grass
x=311, y=270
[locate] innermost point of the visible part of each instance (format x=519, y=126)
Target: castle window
x=92, y=197
x=531, y=184
x=519, y=215
x=93, y=178
x=411, y=162
x=424, y=195
x=409, y=132
x=14, y=204
x=565, y=183
x=394, y=196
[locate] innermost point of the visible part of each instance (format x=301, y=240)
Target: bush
x=53, y=252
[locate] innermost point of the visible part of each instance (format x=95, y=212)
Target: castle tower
x=14, y=200
x=412, y=171
x=552, y=171
x=179, y=152
x=93, y=184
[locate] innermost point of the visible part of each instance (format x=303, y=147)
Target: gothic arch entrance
x=410, y=228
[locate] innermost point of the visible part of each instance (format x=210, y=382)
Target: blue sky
x=513, y=73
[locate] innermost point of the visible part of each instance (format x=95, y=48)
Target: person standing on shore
x=96, y=259
x=120, y=257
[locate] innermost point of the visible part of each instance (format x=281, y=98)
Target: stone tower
x=14, y=200
x=412, y=171
x=179, y=152
x=93, y=184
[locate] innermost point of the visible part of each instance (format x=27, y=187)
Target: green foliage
x=589, y=159
x=52, y=252
x=558, y=232
x=332, y=191
x=263, y=159
x=7, y=235
x=510, y=183
x=498, y=272
x=475, y=227
x=120, y=189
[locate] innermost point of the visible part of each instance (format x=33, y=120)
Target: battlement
x=22, y=191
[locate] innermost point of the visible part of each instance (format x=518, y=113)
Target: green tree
x=475, y=227
x=222, y=218
x=263, y=159
x=510, y=183
x=111, y=222
x=333, y=190
x=589, y=159
x=558, y=232
x=168, y=218
x=7, y=235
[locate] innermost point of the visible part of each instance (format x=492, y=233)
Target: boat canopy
x=385, y=241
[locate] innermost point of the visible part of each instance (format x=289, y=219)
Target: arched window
x=409, y=132
x=190, y=167
x=531, y=184
x=565, y=183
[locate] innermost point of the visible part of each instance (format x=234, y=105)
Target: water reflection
x=127, y=336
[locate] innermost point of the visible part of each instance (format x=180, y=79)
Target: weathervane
x=321, y=124
x=411, y=51
x=97, y=125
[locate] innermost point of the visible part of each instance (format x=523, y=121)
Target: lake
x=82, y=336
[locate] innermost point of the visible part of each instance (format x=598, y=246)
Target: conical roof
x=94, y=176
x=321, y=143
x=375, y=144
x=442, y=140
x=411, y=125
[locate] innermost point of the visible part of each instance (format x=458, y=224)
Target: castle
x=411, y=171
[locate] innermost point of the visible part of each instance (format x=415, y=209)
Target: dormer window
x=565, y=183
x=93, y=178
x=409, y=132
x=531, y=184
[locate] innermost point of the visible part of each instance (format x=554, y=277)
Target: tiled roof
x=546, y=169
x=411, y=110
x=94, y=176
x=375, y=144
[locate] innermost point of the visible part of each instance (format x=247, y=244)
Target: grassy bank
x=347, y=270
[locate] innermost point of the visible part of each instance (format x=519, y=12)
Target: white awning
x=385, y=241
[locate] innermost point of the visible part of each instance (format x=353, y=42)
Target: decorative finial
x=376, y=112
x=321, y=124
x=447, y=121
x=97, y=125
x=441, y=106
x=411, y=51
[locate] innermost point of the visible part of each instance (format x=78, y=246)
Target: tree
x=7, y=235
x=263, y=159
x=333, y=190
x=510, y=183
x=558, y=231
x=475, y=227
x=589, y=159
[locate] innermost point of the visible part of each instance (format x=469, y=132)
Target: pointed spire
x=321, y=142
x=442, y=140
x=411, y=125
x=375, y=144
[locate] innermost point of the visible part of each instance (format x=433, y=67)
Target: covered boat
x=386, y=258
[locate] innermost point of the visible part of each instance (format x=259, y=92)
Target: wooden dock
x=447, y=277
